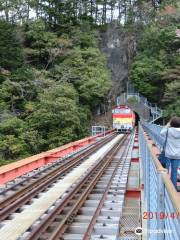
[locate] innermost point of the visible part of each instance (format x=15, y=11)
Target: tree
x=171, y=96
x=157, y=59
x=11, y=145
x=57, y=117
x=11, y=56
x=40, y=43
x=146, y=75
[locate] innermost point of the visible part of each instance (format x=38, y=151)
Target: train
x=123, y=119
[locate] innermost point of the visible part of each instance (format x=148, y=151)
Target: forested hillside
x=155, y=71
x=53, y=74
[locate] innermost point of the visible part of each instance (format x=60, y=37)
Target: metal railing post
x=160, y=206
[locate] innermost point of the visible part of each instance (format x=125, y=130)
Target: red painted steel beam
x=134, y=159
x=133, y=193
x=18, y=168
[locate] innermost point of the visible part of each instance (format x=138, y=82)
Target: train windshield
x=121, y=111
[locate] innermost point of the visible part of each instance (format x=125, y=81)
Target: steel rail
x=56, y=163
x=90, y=227
x=47, y=167
x=88, y=181
x=15, y=201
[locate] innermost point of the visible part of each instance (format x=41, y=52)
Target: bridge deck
x=22, y=221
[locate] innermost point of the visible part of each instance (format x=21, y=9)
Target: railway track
x=80, y=213
x=54, y=207
x=23, y=192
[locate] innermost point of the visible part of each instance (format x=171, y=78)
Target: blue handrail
x=161, y=201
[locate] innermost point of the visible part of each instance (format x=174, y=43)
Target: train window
x=121, y=111
x=127, y=111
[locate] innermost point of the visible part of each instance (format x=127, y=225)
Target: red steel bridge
x=109, y=186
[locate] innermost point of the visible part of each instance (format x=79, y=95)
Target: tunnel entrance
x=137, y=118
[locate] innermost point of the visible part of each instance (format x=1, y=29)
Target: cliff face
x=119, y=48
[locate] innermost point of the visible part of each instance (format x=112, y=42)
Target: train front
x=123, y=119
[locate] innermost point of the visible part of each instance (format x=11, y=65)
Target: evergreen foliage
x=52, y=73
x=51, y=80
x=10, y=47
x=155, y=70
